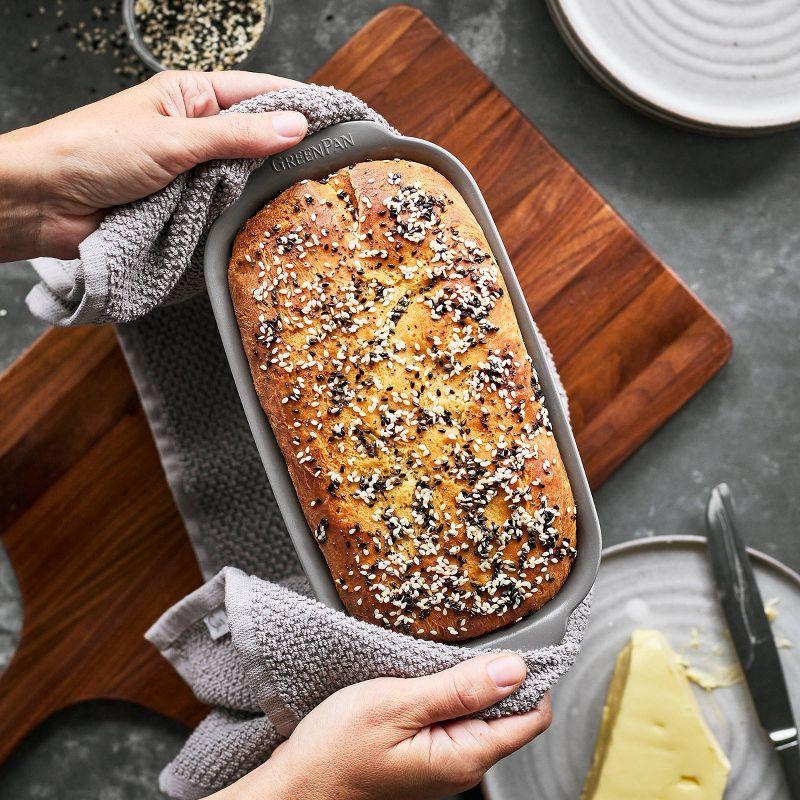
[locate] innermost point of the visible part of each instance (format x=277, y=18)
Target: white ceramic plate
x=662, y=583
x=717, y=65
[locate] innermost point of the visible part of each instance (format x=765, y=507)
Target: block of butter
x=654, y=742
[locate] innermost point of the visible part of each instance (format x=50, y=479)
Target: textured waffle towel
x=257, y=649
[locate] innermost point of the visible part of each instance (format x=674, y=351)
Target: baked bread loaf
x=386, y=354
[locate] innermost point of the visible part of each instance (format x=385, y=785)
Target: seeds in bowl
x=200, y=34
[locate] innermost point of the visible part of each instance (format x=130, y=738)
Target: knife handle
x=789, y=755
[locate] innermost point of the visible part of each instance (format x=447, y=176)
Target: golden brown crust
x=386, y=354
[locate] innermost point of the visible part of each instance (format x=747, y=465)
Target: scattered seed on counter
x=99, y=31
x=200, y=34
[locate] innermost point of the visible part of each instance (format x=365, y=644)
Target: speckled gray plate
x=663, y=583
x=316, y=157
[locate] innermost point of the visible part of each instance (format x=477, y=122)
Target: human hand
x=399, y=739
x=58, y=178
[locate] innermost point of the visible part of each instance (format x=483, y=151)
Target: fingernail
x=506, y=670
x=289, y=124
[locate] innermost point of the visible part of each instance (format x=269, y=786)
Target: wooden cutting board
x=85, y=512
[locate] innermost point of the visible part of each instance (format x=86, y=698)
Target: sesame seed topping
x=415, y=412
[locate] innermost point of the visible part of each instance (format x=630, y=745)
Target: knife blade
x=751, y=633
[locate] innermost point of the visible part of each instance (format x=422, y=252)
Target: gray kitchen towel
x=284, y=653
x=257, y=650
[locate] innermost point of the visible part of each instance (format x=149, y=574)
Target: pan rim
x=318, y=155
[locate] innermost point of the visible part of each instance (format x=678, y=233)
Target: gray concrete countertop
x=722, y=212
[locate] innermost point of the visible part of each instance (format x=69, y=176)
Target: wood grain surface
x=85, y=512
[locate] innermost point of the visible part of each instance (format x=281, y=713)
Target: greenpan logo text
x=326, y=146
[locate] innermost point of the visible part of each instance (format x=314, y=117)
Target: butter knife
x=751, y=633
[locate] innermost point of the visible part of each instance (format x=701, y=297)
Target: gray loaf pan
x=317, y=156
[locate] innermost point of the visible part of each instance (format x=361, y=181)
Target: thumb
x=464, y=689
x=244, y=135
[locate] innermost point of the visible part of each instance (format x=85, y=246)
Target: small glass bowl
x=144, y=52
